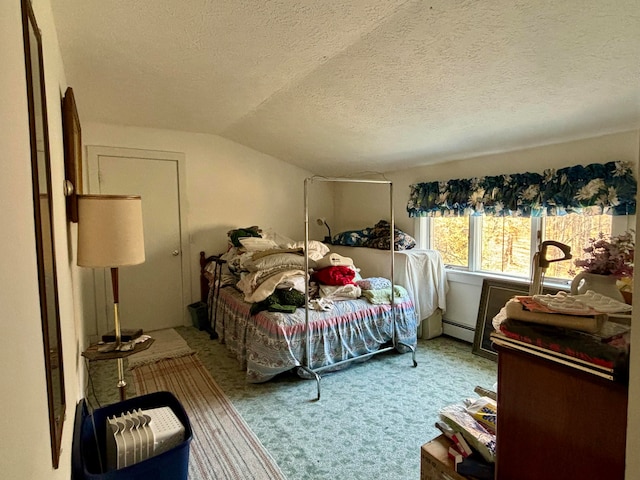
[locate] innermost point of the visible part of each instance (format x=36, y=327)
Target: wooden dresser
x=557, y=422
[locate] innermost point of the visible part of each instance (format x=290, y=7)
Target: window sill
x=476, y=278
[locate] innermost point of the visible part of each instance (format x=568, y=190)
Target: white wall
x=25, y=450
x=228, y=186
x=354, y=204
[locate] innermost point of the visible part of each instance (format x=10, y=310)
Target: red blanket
x=338, y=275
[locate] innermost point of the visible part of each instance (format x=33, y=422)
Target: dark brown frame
x=495, y=294
x=43, y=224
x=72, y=136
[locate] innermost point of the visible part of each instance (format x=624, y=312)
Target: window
x=575, y=231
x=450, y=236
x=506, y=245
x=512, y=213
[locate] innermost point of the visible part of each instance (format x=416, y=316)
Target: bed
x=340, y=318
x=267, y=343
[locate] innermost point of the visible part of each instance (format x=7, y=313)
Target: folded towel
x=340, y=292
x=383, y=296
x=374, y=283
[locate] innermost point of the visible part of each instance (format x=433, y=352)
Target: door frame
x=100, y=277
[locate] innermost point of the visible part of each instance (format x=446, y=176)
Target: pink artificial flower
x=609, y=257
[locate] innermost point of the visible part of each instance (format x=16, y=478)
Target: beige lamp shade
x=110, y=232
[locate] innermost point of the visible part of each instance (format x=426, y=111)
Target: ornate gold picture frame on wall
x=71, y=133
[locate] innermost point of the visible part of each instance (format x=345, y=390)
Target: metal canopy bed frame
x=210, y=292
x=315, y=372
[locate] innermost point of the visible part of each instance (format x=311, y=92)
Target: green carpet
x=223, y=447
x=371, y=421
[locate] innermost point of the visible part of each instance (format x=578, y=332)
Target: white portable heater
x=141, y=434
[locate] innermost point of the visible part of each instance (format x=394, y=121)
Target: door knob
x=175, y=253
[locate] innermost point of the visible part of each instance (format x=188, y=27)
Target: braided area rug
x=167, y=344
x=223, y=445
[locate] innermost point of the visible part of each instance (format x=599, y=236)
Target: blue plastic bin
x=89, y=443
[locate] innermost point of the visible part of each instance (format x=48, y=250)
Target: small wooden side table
x=92, y=354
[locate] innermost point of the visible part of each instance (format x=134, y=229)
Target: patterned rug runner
x=167, y=344
x=223, y=445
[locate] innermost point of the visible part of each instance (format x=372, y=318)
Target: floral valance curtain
x=594, y=189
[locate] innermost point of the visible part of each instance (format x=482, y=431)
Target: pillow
x=352, y=238
x=380, y=238
x=317, y=249
x=255, y=244
x=333, y=260
x=296, y=262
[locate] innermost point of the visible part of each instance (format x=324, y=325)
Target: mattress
x=269, y=343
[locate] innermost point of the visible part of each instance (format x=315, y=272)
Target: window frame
x=424, y=228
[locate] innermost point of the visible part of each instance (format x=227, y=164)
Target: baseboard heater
x=459, y=325
x=458, y=330
x=141, y=434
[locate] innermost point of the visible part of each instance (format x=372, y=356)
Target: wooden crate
x=435, y=463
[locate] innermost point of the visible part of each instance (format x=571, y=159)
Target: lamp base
x=122, y=384
x=327, y=240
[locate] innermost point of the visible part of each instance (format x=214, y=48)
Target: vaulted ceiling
x=345, y=86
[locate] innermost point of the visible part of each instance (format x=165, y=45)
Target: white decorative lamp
x=110, y=235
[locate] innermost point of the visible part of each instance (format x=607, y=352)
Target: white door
x=151, y=294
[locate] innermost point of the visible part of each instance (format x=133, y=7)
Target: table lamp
x=110, y=235
x=323, y=221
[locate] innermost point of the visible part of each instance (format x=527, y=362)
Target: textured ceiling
x=346, y=86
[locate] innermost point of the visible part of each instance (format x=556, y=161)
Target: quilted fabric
x=376, y=237
x=381, y=234
x=374, y=283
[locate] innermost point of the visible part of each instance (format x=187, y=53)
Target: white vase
x=602, y=284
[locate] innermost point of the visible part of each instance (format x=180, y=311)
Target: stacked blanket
x=336, y=282
x=272, y=276
x=377, y=236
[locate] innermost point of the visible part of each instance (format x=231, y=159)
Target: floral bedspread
x=270, y=343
